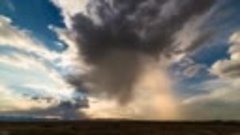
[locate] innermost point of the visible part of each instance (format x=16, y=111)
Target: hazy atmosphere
x=120, y=59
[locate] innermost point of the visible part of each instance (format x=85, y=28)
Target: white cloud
x=70, y=8
x=192, y=35
x=219, y=90
x=229, y=68
x=186, y=39
x=28, y=67
x=70, y=60
x=9, y=101
x=221, y=95
x=220, y=101
x=30, y=73
x=21, y=39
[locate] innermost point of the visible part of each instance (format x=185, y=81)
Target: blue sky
x=35, y=60
x=35, y=16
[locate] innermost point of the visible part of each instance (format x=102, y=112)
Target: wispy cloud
x=221, y=94
x=21, y=39
x=220, y=101
x=29, y=72
x=11, y=101
x=229, y=68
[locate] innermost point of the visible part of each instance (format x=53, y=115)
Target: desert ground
x=102, y=127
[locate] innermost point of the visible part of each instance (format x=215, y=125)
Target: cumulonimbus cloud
x=120, y=40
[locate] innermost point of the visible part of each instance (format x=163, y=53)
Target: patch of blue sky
x=7, y=6
x=188, y=86
x=35, y=16
x=224, y=24
x=209, y=55
x=186, y=90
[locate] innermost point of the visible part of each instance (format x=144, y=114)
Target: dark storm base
x=104, y=127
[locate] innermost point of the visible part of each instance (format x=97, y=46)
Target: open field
x=120, y=128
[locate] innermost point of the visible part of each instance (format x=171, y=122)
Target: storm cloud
x=114, y=36
x=145, y=26
x=124, y=49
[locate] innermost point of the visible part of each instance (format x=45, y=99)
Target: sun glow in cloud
x=152, y=98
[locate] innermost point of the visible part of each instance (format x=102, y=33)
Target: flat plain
x=109, y=127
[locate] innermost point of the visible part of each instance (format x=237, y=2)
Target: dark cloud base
x=146, y=26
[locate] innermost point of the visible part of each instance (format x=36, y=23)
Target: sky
x=120, y=59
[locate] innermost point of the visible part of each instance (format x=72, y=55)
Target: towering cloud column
x=123, y=41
